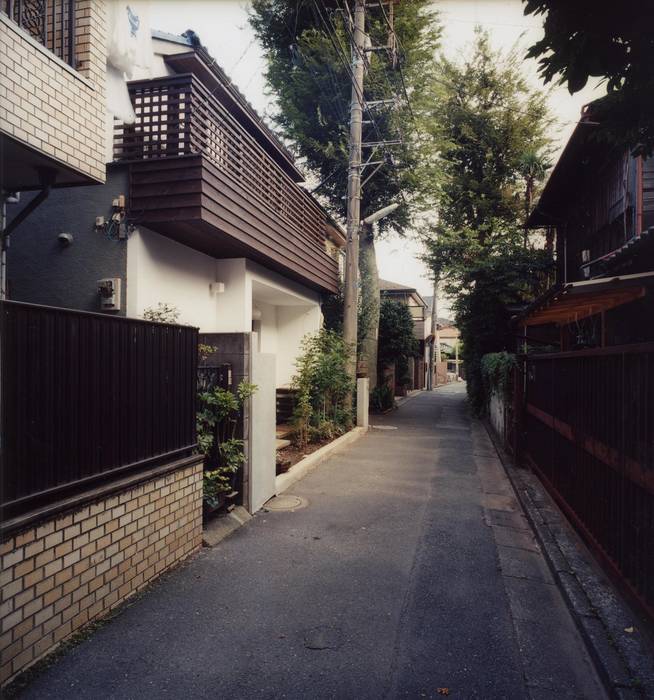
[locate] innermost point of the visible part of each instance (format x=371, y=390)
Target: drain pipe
x=47, y=177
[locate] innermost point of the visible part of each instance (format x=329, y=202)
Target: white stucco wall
x=162, y=270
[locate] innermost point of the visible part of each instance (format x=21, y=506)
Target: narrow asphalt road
x=410, y=569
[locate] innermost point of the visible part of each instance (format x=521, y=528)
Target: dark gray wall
x=233, y=349
x=42, y=271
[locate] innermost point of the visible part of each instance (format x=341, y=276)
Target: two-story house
x=421, y=325
x=584, y=401
x=202, y=210
x=598, y=206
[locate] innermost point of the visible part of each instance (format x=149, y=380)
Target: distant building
x=418, y=309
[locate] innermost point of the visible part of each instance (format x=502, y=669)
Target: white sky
x=223, y=28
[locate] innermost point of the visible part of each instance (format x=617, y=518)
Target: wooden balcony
x=199, y=177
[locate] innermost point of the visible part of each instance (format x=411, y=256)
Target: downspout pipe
x=47, y=178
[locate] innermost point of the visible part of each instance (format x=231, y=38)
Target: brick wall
x=65, y=572
x=49, y=107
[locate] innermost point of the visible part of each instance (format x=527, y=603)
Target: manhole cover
x=286, y=503
x=323, y=638
x=384, y=427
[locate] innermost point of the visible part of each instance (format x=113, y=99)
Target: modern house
x=202, y=210
x=421, y=326
x=584, y=402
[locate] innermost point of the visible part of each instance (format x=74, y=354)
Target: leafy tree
x=585, y=39
x=397, y=343
x=307, y=46
x=494, y=127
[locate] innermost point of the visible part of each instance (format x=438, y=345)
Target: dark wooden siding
x=191, y=200
x=648, y=193
x=198, y=176
x=89, y=398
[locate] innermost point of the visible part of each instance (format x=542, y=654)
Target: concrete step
x=281, y=444
x=283, y=430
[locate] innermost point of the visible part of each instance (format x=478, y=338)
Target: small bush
x=323, y=386
x=497, y=373
x=382, y=398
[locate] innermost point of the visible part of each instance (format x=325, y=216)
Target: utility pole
x=350, y=309
x=432, y=332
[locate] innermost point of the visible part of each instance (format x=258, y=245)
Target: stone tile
x=517, y=521
x=523, y=563
x=494, y=501
x=547, y=644
x=510, y=537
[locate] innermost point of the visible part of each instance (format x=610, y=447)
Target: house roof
x=199, y=62
x=394, y=288
x=580, y=156
x=574, y=301
x=388, y=286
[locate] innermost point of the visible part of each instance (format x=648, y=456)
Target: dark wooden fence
x=589, y=433
x=89, y=398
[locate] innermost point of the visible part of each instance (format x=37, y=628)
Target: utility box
x=109, y=291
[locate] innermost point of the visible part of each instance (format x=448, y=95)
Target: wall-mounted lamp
x=217, y=287
x=65, y=239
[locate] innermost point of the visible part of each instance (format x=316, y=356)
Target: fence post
x=363, y=397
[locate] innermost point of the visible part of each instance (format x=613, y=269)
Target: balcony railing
x=50, y=22
x=178, y=116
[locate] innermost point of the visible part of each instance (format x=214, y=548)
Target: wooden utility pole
x=350, y=309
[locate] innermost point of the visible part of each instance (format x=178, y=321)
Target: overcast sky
x=223, y=28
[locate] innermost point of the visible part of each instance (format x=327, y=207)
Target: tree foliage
x=397, y=342
x=308, y=73
x=494, y=127
x=585, y=39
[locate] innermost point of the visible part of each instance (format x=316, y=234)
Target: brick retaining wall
x=62, y=573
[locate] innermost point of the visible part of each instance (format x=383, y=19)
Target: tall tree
x=494, y=129
x=307, y=47
x=610, y=41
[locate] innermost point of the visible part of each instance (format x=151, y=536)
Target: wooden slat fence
x=89, y=398
x=589, y=433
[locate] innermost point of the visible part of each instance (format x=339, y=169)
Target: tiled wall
x=49, y=107
x=65, y=572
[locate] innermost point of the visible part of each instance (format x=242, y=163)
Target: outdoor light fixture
x=380, y=214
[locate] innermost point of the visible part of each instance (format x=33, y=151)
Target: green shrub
x=323, y=386
x=216, y=422
x=382, y=398
x=497, y=373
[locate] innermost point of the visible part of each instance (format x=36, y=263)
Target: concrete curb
x=219, y=528
x=622, y=660
x=304, y=466
x=403, y=399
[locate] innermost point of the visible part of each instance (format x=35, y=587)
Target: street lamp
x=380, y=214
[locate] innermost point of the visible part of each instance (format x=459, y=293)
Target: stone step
x=283, y=430
x=281, y=444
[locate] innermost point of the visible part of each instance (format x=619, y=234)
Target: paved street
x=411, y=569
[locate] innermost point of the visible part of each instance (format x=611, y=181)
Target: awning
x=577, y=300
